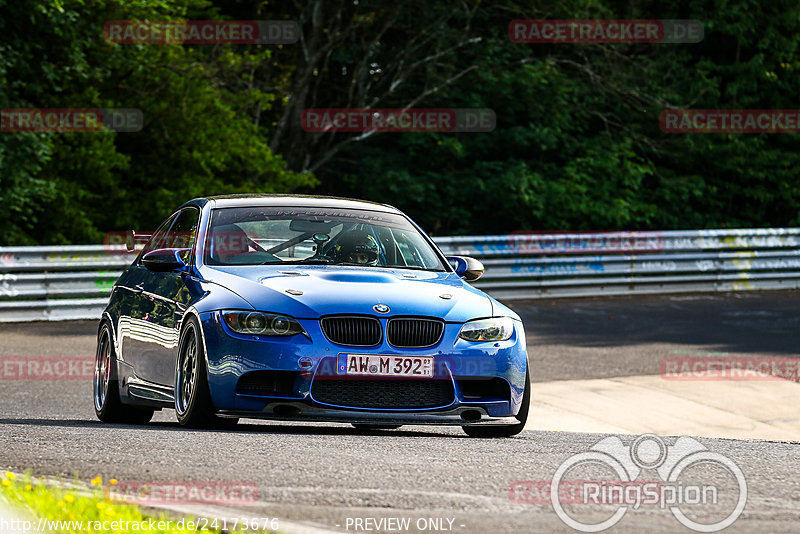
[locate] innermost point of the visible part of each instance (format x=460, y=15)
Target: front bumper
x=231, y=356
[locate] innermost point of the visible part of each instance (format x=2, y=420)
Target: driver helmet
x=357, y=246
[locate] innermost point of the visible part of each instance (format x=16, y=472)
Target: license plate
x=378, y=365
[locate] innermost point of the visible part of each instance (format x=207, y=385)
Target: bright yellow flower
x=113, y=481
x=101, y=505
x=69, y=498
x=96, y=481
x=110, y=511
x=28, y=487
x=10, y=475
x=6, y=483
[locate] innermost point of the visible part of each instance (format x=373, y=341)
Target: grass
x=62, y=509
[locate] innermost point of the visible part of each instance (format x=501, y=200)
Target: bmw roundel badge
x=381, y=308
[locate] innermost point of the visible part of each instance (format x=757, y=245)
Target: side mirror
x=165, y=260
x=132, y=238
x=467, y=268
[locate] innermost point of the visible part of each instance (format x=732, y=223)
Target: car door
x=164, y=299
x=134, y=328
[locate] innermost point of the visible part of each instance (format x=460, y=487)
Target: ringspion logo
x=188, y=32
x=584, y=491
x=574, y=31
x=705, y=491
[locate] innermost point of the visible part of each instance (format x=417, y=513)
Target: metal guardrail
x=626, y=263
x=58, y=283
x=73, y=282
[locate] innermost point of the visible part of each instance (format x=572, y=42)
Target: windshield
x=292, y=235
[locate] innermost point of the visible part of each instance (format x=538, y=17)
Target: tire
x=105, y=388
x=370, y=426
x=193, y=405
x=510, y=430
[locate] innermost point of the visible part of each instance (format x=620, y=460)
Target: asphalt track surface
x=329, y=475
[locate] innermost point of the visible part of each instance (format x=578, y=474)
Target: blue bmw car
x=307, y=309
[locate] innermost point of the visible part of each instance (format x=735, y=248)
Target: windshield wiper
x=306, y=261
x=347, y=263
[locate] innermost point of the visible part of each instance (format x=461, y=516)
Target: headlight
x=262, y=324
x=494, y=329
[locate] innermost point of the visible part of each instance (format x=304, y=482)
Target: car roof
x=229, y=201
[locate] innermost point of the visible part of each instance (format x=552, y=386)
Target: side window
x=184, y=231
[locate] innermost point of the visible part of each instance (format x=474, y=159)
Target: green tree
x=199, y=136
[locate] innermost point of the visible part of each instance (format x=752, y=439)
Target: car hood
x=311, y=291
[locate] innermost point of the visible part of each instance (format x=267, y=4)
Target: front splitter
x=304, y=412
